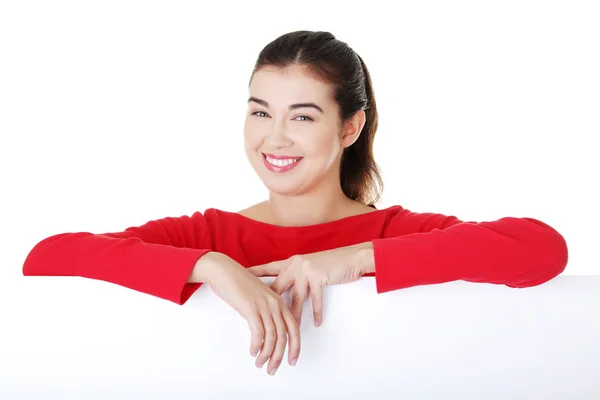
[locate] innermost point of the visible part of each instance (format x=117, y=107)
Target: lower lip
x=275, y=168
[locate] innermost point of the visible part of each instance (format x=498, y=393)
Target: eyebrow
x=292, y=107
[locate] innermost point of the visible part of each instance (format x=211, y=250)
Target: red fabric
x=409, y=249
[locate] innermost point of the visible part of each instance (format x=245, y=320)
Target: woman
x=309, y=134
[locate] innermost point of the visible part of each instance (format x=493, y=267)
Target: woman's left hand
x=315, y=270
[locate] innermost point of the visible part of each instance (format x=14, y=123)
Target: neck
x=323, y=204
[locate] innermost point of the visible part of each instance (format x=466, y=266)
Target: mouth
x=280, y=164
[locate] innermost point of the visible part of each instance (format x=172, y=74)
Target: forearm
x=204, y=268
x=365, y=256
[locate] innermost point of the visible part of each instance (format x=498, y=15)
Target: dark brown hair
x=334, y=62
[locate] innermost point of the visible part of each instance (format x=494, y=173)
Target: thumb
x=265, y=269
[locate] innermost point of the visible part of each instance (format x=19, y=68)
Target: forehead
x=290, y=85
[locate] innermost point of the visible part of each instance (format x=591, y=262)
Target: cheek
x=252, y=137
x=324, y=145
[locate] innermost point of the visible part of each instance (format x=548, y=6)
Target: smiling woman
x=308, y=135
x=293, y=115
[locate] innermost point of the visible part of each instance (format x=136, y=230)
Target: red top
x=409, y=249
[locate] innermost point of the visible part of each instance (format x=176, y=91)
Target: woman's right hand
x=270, y=320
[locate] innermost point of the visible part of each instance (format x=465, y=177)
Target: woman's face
x=306, y=139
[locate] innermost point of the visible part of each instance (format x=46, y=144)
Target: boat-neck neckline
x=321, y=226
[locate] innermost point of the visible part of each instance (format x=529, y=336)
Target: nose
x=277, y=136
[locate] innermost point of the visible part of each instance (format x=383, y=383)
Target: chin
x=283, y=188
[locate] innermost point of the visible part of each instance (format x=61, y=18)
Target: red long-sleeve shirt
x=410, y=249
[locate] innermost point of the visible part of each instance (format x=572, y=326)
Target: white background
x=115, y=113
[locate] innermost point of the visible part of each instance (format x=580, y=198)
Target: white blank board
x=456, y=340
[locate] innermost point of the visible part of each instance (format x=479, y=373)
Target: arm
x=157, y=258
x=428, y=248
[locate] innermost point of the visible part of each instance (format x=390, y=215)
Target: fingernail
x=260, y=365
x=273, y=371
x=317, y=323
x=254, y=353
x=293, y=362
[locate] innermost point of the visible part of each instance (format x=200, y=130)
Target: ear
x=352, y=128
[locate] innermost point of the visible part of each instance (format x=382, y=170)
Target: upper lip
x=280, y=157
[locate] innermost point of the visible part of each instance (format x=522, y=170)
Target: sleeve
x=156, y=258
x=429, y=248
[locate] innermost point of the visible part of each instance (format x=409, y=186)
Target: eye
x=299, y=116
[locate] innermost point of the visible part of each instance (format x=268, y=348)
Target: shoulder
x=256, y=212
x=402, y=221
x=218, y=216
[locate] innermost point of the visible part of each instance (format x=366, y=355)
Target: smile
x=280, y=165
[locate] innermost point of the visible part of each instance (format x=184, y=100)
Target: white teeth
x=281, y=163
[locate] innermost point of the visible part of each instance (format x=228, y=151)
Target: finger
x=277, y=355
x=269, y=341
x=299, y=294
x=316, y=294
x=282, y=283
x=293, y=332
x=257, y=333
x=265, y=269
